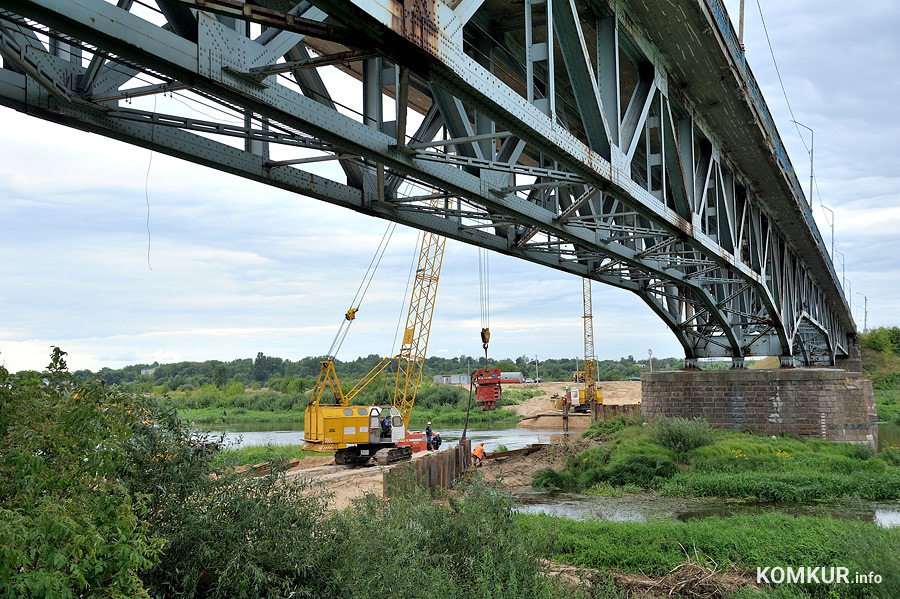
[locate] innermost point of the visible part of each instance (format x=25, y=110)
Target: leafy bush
x=681, y=434
x=882, y=339
x=240, y=537
x=548, y=478
x=516, y=395
x=413, y=547
x=887, y=382
x=436, y=396
x=863, y=452
x=68, y=528
x=589, y=468
x=645, y=471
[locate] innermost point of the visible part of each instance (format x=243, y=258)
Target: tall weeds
x=681, y=434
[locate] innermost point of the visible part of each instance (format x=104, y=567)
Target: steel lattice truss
x=557, y=131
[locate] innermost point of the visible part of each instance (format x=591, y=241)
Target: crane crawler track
x=354, y=456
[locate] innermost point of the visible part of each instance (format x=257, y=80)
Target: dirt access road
x=346, y=483
x=539, y=414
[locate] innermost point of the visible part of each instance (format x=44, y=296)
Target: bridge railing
x=735, y=48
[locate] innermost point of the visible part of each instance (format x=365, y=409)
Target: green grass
x=237, y=415
x=770, y=539
x=606, y=489
x=447, y=415
x=733, y=465
x=888, y=403
x=785, y=486
x=605, y=428
x=456, y=417
x=516, y=395
x=256, y=454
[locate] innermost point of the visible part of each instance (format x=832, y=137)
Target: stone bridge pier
x=822, y=403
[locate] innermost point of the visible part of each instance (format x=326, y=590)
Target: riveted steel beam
x=512, y=99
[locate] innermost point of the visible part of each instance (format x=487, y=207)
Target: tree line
x=296, y=376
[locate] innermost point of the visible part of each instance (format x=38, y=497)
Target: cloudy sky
x=236, y=267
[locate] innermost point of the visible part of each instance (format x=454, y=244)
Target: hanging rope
x=484, y=293
x=484, y=288
x=361, y=291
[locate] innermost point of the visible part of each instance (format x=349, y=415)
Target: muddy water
x=646, y=506
x=888, y=435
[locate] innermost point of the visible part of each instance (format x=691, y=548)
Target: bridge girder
x=589, y=158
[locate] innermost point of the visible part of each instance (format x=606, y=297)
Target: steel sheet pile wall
x=436, y=470
x=609, y=412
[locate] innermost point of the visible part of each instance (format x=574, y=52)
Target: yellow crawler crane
x=357, y=434
x=591, y=393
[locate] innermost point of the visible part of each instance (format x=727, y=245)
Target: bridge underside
x=554, y=131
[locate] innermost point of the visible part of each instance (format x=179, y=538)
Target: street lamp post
x=865, y=311
x=812, y=143
x=843, y=272
x=824, y=207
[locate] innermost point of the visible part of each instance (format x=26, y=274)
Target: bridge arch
x=606, y=140
x=811, y=344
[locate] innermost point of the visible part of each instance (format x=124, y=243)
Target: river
x=291, y=433
x=632, y=508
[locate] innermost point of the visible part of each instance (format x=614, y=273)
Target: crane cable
x=401, y=320
x=484, y=288
x=361, y=291
x=484, y=291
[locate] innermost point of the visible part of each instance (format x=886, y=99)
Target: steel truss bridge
x=618, y=140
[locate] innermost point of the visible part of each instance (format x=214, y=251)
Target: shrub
x=67, y=527
x=681, y=434
x=548, y=478
x=863, y=452
x=645, y=471
x=891, y=455
x=887, y=382
x=412, y=547
x=595, y=456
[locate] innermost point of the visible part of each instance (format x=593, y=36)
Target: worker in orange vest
x=478, y=454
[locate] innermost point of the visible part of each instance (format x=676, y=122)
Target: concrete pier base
x=830, y=404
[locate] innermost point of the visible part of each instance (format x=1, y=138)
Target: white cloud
x=239, y=267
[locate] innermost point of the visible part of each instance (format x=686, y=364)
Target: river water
x=647, y=506
x=631, y=508
x=291, y=433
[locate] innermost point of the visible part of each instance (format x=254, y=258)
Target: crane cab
x=378, y=432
